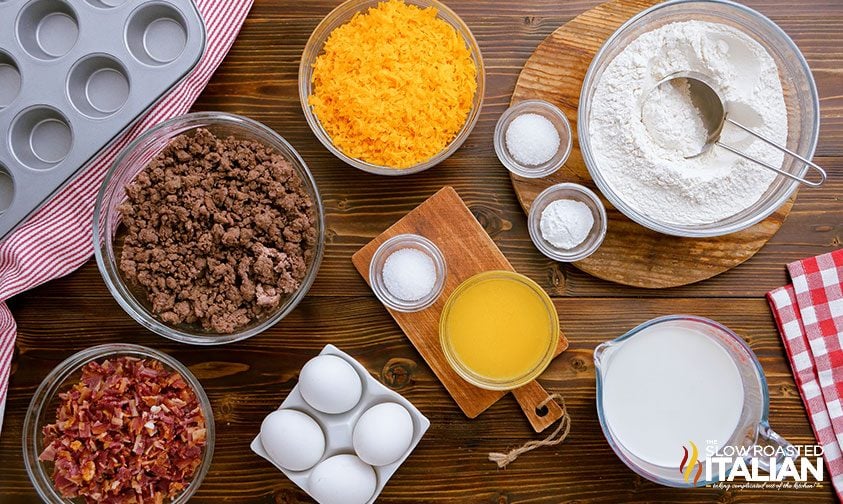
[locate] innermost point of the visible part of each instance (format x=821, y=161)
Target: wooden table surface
x=247, y=380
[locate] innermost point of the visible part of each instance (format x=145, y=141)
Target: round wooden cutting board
x=631, y=254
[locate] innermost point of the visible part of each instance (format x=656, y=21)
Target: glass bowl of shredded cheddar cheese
x=392, y=87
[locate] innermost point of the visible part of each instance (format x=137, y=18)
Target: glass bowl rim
x=109, y=269
x=526, y=171
x=688, y=231
x=601, y=223
x=470, y=376
x=56, y=380
x=600, y=371
x=431, y=250
x=462, y=135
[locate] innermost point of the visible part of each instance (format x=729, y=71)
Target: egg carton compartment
x=339, y=428
x=74, y=75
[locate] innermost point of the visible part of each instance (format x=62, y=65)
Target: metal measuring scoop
x=712, y=110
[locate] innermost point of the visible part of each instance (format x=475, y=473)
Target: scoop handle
x=534, y=399
x=811, y=164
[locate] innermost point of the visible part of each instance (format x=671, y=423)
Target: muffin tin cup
x=10, y=80
x=41, y=137
x=7, y=189
x=69, y=88
x=339, y=428
x=47, y=29
x=156, y=34
x=98, y=86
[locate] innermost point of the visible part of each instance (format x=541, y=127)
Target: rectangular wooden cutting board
x=446, y=221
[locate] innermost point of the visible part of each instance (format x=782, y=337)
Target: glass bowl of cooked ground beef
x=208, y=228
x=118, y=423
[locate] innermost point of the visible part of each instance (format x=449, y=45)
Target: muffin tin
x=73, y=76
x=338, y=429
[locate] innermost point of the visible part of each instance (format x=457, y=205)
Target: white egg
x=342, y=479
x=383, y=434
x=292, y=439
x=330, y=384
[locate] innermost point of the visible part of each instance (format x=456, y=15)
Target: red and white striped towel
x=809, y=314
x=57, y=239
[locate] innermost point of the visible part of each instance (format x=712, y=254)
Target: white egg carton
x=338, y=428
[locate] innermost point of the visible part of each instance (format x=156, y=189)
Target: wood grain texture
x=446, y=221
x=247, y=380
x=631, y=254
x=537, y=405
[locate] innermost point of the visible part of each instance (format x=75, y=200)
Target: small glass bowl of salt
x=533, y=138
x=407, y=273
x=567, y=222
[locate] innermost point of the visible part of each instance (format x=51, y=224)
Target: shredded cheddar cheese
x=394, y=85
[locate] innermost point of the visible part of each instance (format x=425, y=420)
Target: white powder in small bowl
x=532, y=140
x=566, y=223
x=409, y=274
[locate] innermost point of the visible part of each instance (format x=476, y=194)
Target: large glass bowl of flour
x=635, y=146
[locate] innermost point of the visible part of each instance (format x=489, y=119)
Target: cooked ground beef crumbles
x=218, y=231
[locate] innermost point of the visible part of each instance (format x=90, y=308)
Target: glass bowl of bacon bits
x=120, y=424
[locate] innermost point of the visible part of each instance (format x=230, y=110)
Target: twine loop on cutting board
x=556, y=437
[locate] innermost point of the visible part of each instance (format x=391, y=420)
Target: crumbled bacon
x=129, y=432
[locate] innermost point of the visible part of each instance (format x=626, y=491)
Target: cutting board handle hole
x=542, y=411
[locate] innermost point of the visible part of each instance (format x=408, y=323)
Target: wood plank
x=359, y=212
x=259, y=76
x=467, y=249
x=356, y=203
x=630, y=254
x=248, y=379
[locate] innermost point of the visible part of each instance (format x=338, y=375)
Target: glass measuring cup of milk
x=678, y=389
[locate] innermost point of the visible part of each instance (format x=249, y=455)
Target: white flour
x=565, y=223
x=640, y=145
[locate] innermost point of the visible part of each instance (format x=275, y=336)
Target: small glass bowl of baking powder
x=567, y=222
x=407, y=273
x=533, y=138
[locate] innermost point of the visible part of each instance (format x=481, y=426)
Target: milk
x=667, y=386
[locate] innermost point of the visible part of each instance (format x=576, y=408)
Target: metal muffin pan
x=74, y=74
x=338, y=429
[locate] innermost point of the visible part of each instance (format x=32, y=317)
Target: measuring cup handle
x=820, y=171
x=769, y=437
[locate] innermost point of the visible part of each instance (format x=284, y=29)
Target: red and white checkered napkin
x=57, y=239
x=809, y=314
